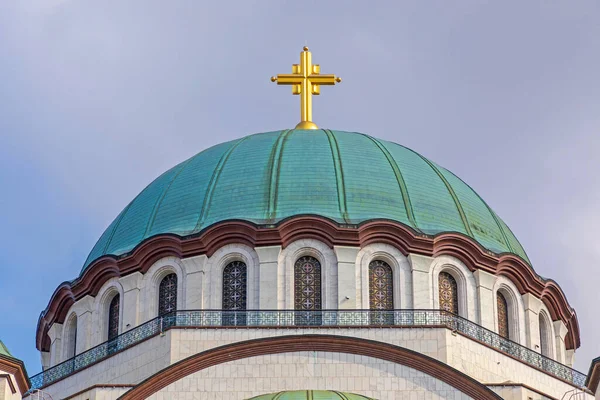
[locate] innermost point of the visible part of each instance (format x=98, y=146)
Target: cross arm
x=288, y=79
x=328, y=79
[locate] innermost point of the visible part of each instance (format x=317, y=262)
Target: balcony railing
x=316, y=319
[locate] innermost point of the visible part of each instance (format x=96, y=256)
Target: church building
x=303, y=264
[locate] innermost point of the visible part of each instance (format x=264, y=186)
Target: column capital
x=532, y=303
x=268, y=254
x=192, y=265
x=420, y=263
x=131, y=281
x=346, y=254
x=55, y=331
x=560, y=329
x=484, y=279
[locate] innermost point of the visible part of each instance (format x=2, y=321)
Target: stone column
x=194, y=270
x=270, y=287
x=570, y=358
x=347, y=277
x=45, y=359
x=485, y=284
x=55, y=334
x=533, y=305
x=131, y=300
x=421, y=279
x=84, y=311
x=560, y=331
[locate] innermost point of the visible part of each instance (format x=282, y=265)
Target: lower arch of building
x=310, y=343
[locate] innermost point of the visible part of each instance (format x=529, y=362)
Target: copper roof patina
x=347, y=177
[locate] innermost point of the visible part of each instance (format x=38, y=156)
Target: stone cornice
x=296, y=343
x=308, y=227
x=593, y=376
x=16, y=368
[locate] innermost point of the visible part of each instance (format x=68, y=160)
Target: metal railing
x=316, y=319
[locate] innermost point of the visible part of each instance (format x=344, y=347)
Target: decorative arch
x=502, y=321
x=151, y=284
x=515, y=309
x=219, y=261
x=324, y=343
x=465, y=282
x=70, y=337
x=298, y=228
x=546, y=335
x=329, y=271
x=101, y=313
x=401, y=273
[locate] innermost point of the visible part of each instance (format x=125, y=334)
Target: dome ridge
x=401, y=183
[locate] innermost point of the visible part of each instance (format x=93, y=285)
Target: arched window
x=234, y=286
x=502, y=307
x=71, y=338
x=545, y=340
x=167, y=294
x=307, y=290
x=448, y=292
x=381, y=292
x=381, y=286
x=234, y=293
x=113, y=317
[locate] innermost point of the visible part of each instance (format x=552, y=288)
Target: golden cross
x=306, y=80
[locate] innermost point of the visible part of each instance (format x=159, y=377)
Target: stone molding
x=469, y=252
x=16, y=368
x=324, y=343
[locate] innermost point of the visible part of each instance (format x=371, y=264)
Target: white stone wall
x=5, y=390
x=345, y=285
x=99, y=393
x=253, y=376
x=472, y=358
x=128, y=367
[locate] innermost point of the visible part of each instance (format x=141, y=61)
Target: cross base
x=306, y=125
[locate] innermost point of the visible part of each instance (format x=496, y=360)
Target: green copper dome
x=344, y=176
x=311, y=395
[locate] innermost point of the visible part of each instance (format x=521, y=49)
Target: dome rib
x=274, y=169
x=343, y=176
x=213, y=182
x=399, y=178
x=339, y=174
x=459, y=207
x=162, y=196
x=492, y=213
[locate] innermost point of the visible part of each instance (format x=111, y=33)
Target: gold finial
x=306, y=80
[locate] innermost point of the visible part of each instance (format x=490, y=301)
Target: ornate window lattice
x=167, y=294
x=502, y=307
x=381, y=286
x=234, y=286
x=448, y=292
x=307, y=284
x=113, y=317
x=543, y=336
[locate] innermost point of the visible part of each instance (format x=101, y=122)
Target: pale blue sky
x=99, y=98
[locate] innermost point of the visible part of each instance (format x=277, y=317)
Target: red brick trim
x=302, y=227
x=325, y=343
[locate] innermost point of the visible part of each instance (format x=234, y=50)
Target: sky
x=99, y=98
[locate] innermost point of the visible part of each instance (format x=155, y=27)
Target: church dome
x=346, y=177
x=311, y=395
